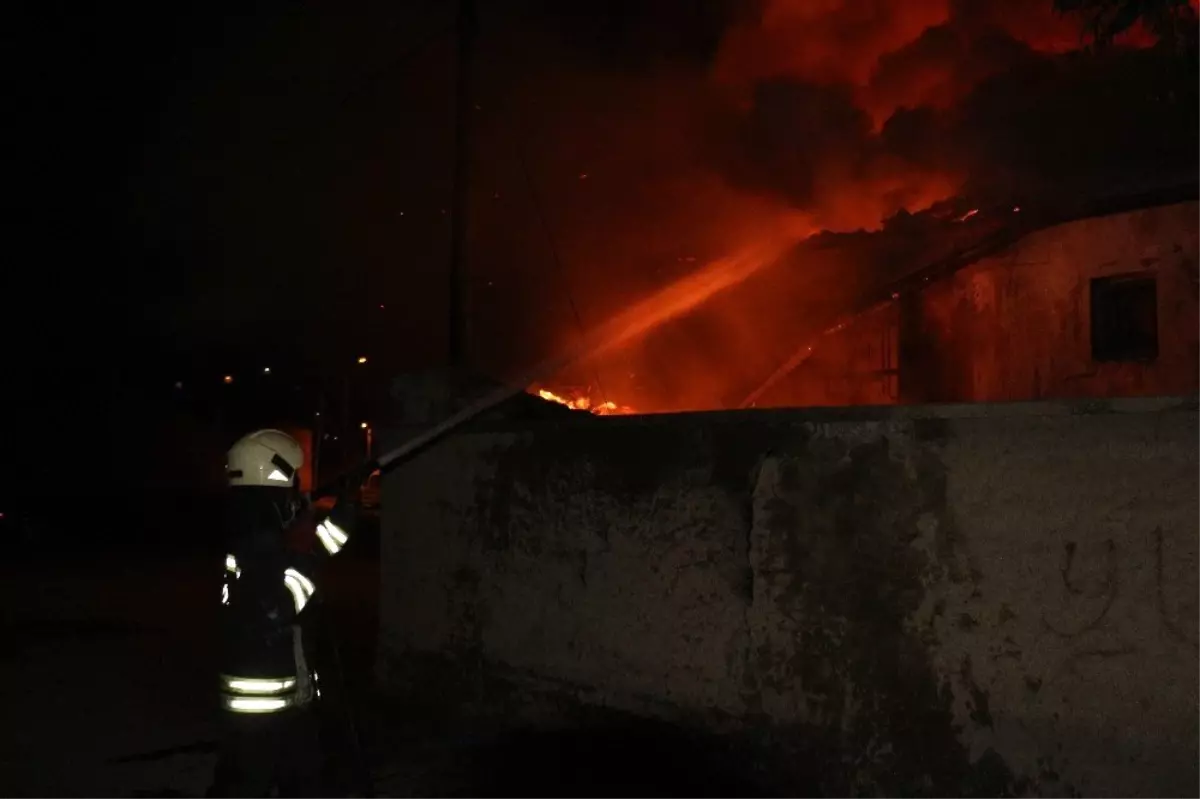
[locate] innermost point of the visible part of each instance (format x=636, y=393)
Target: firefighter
x=269, y=684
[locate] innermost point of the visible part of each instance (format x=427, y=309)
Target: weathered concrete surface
x=939, y=600
x=1017, y=325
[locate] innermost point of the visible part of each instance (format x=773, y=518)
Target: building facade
x=1096, y=308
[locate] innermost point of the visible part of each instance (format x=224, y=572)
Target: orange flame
x=582, y=402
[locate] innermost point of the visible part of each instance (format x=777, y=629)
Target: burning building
x=1100, y=307
x=843, y=578
x=1093, y=299
x=728, y=211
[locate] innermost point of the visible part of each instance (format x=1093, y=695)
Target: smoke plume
x=857, y=110
x=796, y=116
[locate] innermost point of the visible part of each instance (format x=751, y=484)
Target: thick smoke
x=659, y=135
x=821, y=114
x=857, y=110
x=849, y=111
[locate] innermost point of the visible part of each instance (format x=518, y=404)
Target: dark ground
x=107, y=673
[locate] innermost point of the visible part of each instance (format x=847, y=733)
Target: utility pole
x=344, y=449
x=318, y=434
x=459, y=330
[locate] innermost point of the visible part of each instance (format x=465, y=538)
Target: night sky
x=213, y=188
x=169, y=227
x=208, y=189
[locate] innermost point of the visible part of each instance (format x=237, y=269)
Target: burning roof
x=910, y=132
x=731, y=355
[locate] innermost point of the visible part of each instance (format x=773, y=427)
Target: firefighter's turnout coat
x=270, y=579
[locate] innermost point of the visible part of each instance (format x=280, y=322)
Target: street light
x=228, y=379
x=362, y=359
x=266, y=370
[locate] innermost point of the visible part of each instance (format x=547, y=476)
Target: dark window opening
x=1124, y=318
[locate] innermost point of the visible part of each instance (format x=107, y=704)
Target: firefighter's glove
x=352, y=482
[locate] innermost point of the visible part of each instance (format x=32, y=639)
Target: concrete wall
x=942, y=600
x=1017, y=326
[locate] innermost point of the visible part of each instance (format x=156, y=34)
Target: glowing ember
x=578, y=401
x=967, y=215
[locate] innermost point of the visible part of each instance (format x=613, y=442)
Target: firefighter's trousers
x=262, y=753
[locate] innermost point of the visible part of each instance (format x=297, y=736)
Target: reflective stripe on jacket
x=296, y=582
x=265, y=667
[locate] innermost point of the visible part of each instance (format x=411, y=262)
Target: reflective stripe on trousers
x=272, y=694
x=257, y=694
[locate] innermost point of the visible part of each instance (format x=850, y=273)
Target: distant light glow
x=363, y=425
x=266, y=370
x=362, y=359
x=228, y=379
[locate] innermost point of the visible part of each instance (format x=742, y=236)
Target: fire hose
x=415, y=445
x=387, y=461
x=676, y=299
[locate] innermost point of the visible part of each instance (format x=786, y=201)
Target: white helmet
x=264, y=458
